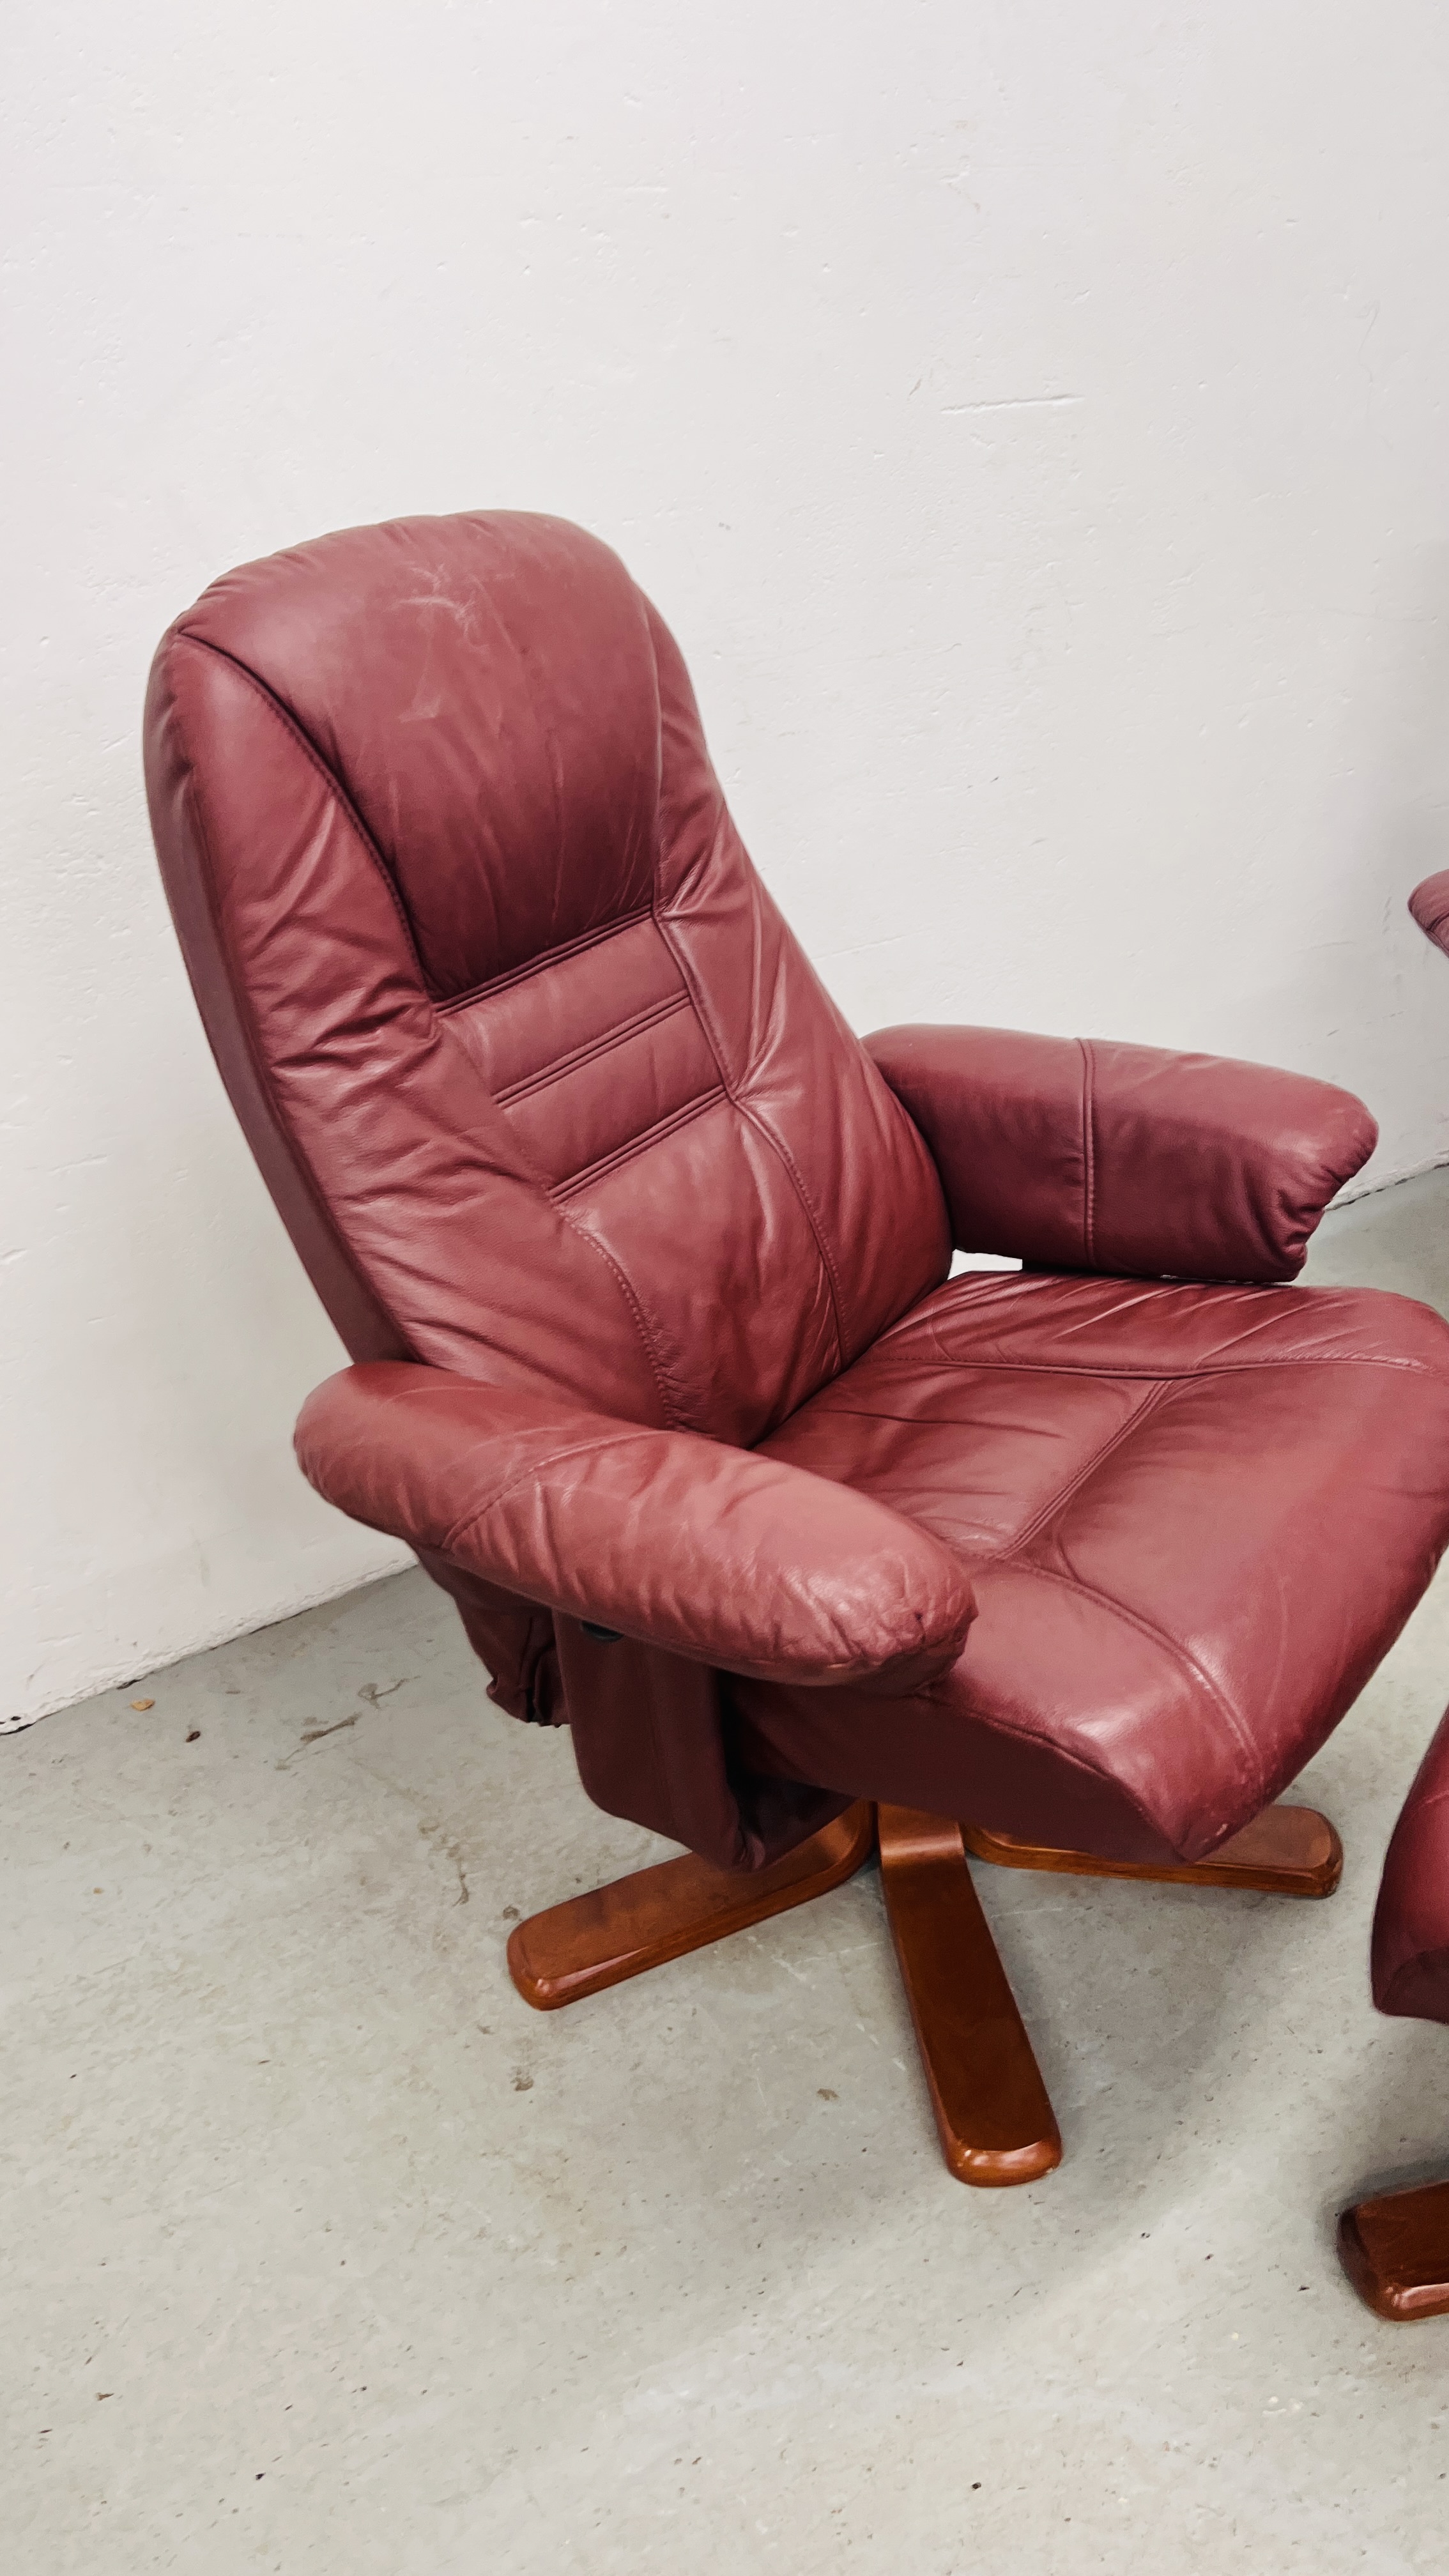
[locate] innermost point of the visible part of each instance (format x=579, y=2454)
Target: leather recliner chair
x=1395, y=2248
x=642, y=1258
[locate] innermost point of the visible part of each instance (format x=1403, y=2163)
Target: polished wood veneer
x=995, y=2121
x=1287, y=1851
x=1395, y=2251
x=593, y=1941
x=992, y=2110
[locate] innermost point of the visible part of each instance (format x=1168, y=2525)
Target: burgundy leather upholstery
x=1410, y=1953
x=672, y=1539
x=1410, y=1949
x=547, y=1091
x=645, y=1256
x=1077, y=1156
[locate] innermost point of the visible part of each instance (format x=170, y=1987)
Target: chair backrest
x=543, y=1087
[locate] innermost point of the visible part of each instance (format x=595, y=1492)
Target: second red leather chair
x=642, y=1257
x=1395, y=2248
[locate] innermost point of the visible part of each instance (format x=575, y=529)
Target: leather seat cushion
x=1194, y=1519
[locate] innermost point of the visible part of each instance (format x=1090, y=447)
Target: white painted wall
x=1031, y=419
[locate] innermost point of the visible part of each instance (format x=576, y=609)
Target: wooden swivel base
x=1396, y=2252
x=598, y=1940
x=995, y=2121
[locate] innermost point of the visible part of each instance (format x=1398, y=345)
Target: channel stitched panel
x=590, y=1051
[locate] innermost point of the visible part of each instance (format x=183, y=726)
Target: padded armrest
x=712, y=1552
x=1410, y=1956
x=1079, y=1155
x=1429, y=904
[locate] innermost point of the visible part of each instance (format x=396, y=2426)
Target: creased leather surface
x=1078, y=1155
x=1194, y=1520
x=655, y=1747
x=1410, y=1953
x=1429, y=904
x=515, y=1639
x=544, y=1088
x=711, y=1552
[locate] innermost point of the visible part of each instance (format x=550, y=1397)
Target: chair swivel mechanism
x=1395, y=2248
x=643, y=1260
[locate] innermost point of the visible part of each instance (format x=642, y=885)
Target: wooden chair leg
x=598, y=1940
x=1396, y=2252
x=996, y=2123
x=1287, y=1851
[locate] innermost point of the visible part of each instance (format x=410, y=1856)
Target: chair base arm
x=1395, y=2251
x=1287, y=1851
x=593, y=1941
x=995, y=2121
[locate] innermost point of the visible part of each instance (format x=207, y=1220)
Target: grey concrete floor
x=325, y=2254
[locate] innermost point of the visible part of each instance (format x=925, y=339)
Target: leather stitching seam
x=1149, y=1403
x=1175, y=1652
x=748, y=1110
x=588, y=1053
x=745, y=1109
x=330, y=780
x=669, y=1401
x=683, y=1116
x=1199, y=1368
x=1179, y=1376
x=539, y=965
x=241, y=1005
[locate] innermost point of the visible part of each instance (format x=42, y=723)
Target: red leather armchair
x=643, y=1261
x=1395, y=2248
